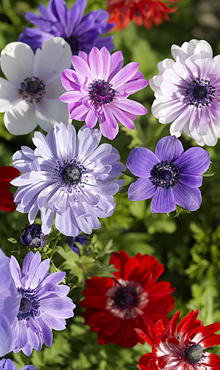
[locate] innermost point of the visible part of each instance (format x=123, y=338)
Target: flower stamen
x=200, y=92
x=32, y=88
x=101, y=92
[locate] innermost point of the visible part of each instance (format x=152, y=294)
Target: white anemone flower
x=29, y=96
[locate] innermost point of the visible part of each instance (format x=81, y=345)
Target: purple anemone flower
x=81, y=32
x=9, y=304
x=69, y=178
x=170, y=176
x=98, y=88
x=187, y=92
x=82, y=239
x=6, y=364
x=43, y=306
x=33, y=237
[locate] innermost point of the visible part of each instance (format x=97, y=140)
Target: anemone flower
x=7, y=364
x=33, y=237
x=30, y=95
x=146, y=12
x=43, y=305
x=187, y=92
x=181, y=346
x=170, y=176
x=98, y=88
x=133, y=298
x=69, y=178
x=7, y=174
x=81, y=32
x=9, y=304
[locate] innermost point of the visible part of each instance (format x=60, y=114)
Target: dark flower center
x=193, y=353
x=200, y=92
x=101, y=92
x=126, y=298
x=29, y=304
x=164, y=174
x=70, y=174
x=32, y=88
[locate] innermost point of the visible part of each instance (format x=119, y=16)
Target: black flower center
x=200, y=92
x=101, y=92
x=70, y=174
x=126, y=298
x=164, y=174
x=29, y=304
x=193, y=353
x=32, y=88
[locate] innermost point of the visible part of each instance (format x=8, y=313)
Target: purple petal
x=187, y=197
x=163, y=201
x=130, y=106
x=169, y=148
x=190, y=180
x=141, y=189
x=141, y=161
x=5, y=335
x=194, y=161
x=125, y=74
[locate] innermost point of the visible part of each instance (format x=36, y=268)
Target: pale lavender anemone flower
x=43, y=306
x=69, y=178
x=29, y=96
x=98, y=88
x=9, y=304
x=170, y=176
x=81, y=32
x=187, y=92
x=7, y=364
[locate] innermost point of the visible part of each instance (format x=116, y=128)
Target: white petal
x=52, y=59
x=21, y=119
x=17, y=60
x=50, y=112
x=9, y=95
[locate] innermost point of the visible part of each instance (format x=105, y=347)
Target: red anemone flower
x=132, y=299
x=181, y=347
x=142, y=11
x=7, y=174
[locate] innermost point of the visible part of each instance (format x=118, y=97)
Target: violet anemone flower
x=33, y=237
x=187, y=92
x=30, y=95
x=7, y=364
x=170, y=176
x=69, y=178
x=9, y=304
x=98, y=88
x=81, y=32
x=43, y=306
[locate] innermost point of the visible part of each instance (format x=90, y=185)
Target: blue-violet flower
x=81, y=32
x=69, y=178
x=43, y=306
x=170, y=176
x=7, y=364
x=9, y=304
x=33, y=237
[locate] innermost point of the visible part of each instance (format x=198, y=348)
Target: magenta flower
x=187, y=92
x=98, y=88
x=170, y=176
x=43, y=305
